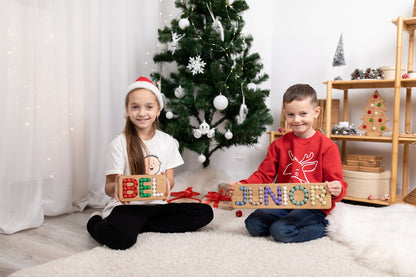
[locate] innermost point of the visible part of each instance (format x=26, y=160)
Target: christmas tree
x=213, y=98
x=374, y=118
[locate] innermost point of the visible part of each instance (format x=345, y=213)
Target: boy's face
x=300, y=116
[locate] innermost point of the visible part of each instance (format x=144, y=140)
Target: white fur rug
x=362, y=241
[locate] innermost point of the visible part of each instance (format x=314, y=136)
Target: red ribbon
x=188, y=193
x=216, y=197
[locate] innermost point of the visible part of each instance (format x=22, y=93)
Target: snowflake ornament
x=196, y=65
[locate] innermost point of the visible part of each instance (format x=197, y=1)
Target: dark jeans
x=287, y=225
x=120, y=229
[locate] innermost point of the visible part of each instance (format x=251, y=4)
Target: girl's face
x=300, y=116
x=142, y=109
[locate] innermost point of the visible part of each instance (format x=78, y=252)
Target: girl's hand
x=167, y=187
x=116, y=191
x=334, y=188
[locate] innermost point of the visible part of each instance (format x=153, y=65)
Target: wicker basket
x=411, y=197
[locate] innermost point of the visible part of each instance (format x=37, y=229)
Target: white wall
x=297, y=40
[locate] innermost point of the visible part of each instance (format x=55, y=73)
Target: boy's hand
x=334, y=188
x=231, y=187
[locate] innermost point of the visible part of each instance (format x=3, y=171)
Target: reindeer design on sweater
x=298, y=168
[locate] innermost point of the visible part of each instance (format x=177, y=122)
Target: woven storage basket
x=411, y=197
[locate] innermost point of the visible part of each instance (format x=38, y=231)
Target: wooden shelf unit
x=408, y=25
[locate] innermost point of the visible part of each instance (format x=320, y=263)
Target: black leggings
x=120, y=229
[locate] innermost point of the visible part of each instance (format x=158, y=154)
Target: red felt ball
x=238, y=213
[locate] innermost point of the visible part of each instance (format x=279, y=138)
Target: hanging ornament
x=244, y=44
x=183, y=23
x=228, y=135
x=204, y=129
x=173, y=45
x=169, y=115
x=179, y=92
x=196, y=65
x=251, y=86
x=220, y=102
x=242, y=115
x=201, y=158
x=234, y=57
x=216, y=24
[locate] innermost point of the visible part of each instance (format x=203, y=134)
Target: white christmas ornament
x=204, y=129
x=251, y=86
x=216, y=24
x=228, y=135
x=242, y=115
x=183, y=23
x=220, y=102
x=201, y=158
x=196, y=65
x=173, y=45
x=169, y=115
x=179, y=92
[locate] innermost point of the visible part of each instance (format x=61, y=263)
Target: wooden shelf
x=365, y=84
x=409, y=24
x=387, y=139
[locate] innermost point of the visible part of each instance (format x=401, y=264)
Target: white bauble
x=179, y=92
x=183, y=23
x=169, y=115
x=228, y=134
x=201, y=158
x=220, y=102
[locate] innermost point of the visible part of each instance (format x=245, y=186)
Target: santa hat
x=143, y=82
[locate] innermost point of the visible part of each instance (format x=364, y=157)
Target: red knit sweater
x=291, y=159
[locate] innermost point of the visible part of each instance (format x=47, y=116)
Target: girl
x=143, y=149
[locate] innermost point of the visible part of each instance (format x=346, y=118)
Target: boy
x=301, y=156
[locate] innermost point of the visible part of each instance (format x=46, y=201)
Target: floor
x=58, y=237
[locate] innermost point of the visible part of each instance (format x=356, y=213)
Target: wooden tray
x=141, y=187
x=304, y=196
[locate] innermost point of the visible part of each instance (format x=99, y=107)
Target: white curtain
x=64, y=68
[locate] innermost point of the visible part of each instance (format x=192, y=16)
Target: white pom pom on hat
x=143, y=82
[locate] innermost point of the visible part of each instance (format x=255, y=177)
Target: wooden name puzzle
x=282, y=196
x=142, y=187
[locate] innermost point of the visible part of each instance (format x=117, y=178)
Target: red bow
x=188, y=193
x=217, y=197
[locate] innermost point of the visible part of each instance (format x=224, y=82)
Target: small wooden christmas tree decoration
x=374, y=118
